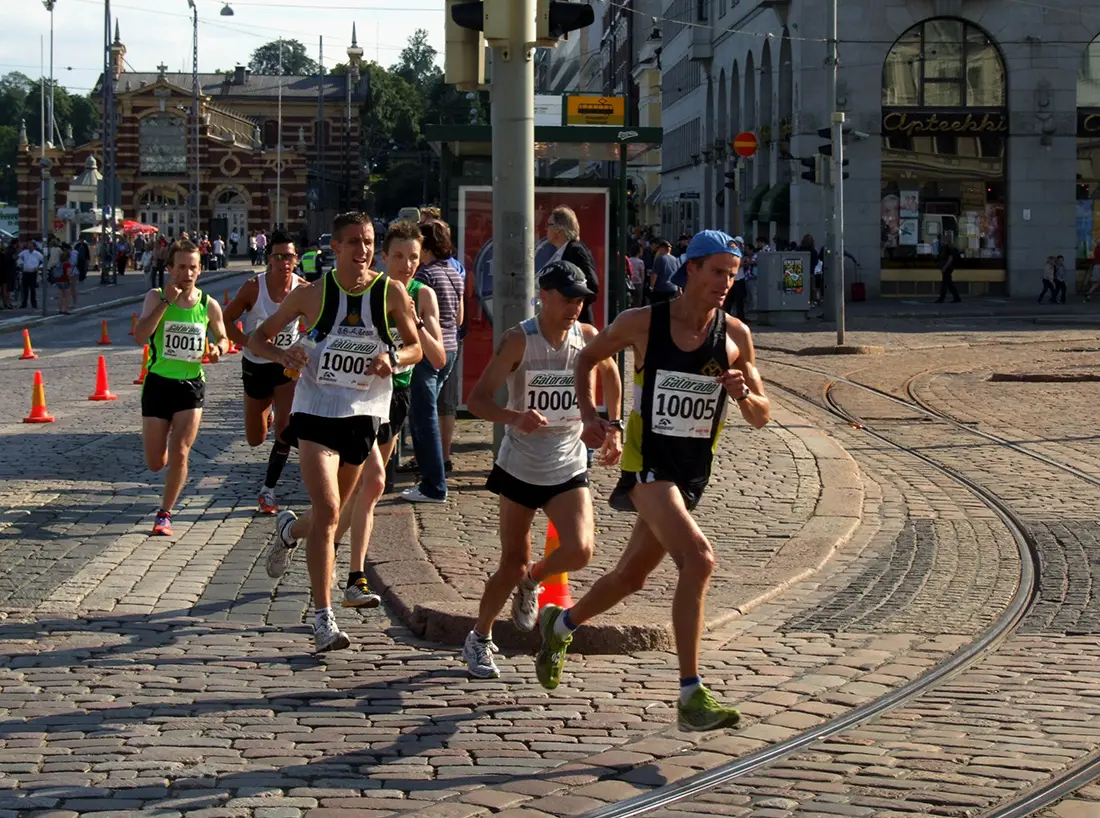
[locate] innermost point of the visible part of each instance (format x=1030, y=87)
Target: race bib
x=287, y=337
x=395, y=336
x=346, y=357
x=684, y=405
x=551, y=393
x=184, y=341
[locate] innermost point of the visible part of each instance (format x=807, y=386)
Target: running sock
x=483, y=637
x=275, y=462
x=563, y=625
x=320, y=615
x=688, y=686
x=284, y=533
x=355, y=576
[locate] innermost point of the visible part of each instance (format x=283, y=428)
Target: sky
x=156, y=30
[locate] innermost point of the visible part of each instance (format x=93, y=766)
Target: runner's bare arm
x=756, y=408
x=295, y=304
x=217, y=328
x=400, y=306
x=431, y=335
x=482, y=402
x=628, y=330
x=152, y=310
x=611, y=449
x=242, y=302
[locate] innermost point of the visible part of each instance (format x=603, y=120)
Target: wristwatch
x=393, y=358
x=745, y=395
x=420, y=324
x=617, y=424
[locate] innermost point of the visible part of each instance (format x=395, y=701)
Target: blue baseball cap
x=709, y=242
x=706, y=243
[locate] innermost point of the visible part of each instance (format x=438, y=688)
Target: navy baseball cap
x=565, y=277
x=709, y=242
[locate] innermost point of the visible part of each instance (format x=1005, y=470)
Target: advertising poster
x=910, y=204
x=1084, y=228
x=1095, y=221
x=793, y=279
x=475, y=250
x=907, y=232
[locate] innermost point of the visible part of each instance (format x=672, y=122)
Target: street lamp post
x=193, y=215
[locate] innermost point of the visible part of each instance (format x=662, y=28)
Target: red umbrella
x=131, y=226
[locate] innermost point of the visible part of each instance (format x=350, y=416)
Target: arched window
x=944, y=129
x=943, y=63
x=163, y=144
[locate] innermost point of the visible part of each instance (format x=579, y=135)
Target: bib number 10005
x=684, y=405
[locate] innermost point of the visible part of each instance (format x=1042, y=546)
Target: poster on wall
x=793, y=279
x=1084, y=228
x=908, y=230
x=889, y=229
x=910, y=204
x=1095, y=221
x=475, y=250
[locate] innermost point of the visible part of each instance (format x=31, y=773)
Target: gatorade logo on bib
x=551, y=393
x=346, y=358
x=184, y=341
x=684, y=405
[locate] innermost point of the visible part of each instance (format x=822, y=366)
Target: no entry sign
x=745, y=144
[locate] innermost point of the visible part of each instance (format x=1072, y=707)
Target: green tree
x=13, y=97
x=392, y=119
x=416, y=64
x=76, y=111
x=296, y=61
x=9, y=149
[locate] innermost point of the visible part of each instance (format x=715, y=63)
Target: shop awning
x=654, y=197
x=756, y=198
x=776, y=205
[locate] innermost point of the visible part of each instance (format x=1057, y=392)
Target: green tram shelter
x=466, y=158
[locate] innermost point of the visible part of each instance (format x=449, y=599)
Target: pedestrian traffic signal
x=555, y=19
x=731, y=179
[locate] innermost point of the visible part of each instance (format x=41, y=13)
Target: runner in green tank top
x=688, y=357
x=174, y=322
x=401, y=254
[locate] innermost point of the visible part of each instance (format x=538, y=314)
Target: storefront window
x=944, y=133
x=1088, y=162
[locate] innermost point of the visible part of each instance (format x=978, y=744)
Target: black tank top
x=682, y=407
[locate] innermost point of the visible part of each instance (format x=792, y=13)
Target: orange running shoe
x=267, y=501
x=163, y=525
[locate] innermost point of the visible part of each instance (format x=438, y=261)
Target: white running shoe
x=327, y=636
x=415, y=495
x=267, y=501
x=525, y=603
x=360, y=596
x=478, y=655
x=280, y=551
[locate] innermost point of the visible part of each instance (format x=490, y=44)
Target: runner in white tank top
x=268, y=392
x=344, y=366
x=542, y=462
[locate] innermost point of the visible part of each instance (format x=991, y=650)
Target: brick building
x=238, y=135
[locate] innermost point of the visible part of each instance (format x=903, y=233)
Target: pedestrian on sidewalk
x=62, y=278
x=219, y=253
x=1048, y=280
x=234, y=240
x=665, y=266
x=30, y=264
x=252, y=248
x=160, y=262
x=9, y=272
x=949, y=261
x=1059, y=280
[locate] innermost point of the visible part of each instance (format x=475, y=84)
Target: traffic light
x=827, y=151
x=731, y=179
x=816, y=173
x=464, y=58
x=555, y=19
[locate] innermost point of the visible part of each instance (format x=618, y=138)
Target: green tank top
x=177, y=346
x=309, y=262
x=402, y=378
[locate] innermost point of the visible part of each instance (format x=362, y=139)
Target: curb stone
x=400, y=570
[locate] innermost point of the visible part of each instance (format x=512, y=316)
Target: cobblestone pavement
x=169, y=676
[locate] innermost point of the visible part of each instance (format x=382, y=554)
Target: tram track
x=1026, y=803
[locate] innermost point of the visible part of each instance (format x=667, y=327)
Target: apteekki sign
x=944, y=123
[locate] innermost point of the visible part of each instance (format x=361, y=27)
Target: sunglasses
x=283, y=256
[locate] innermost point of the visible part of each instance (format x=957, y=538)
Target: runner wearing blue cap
x=688, y=355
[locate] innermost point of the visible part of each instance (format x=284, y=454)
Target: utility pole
x=279, y=145
x=321, y=169
x=837, y=122
x=513, y=121
x=195, y=215
x=44, y=170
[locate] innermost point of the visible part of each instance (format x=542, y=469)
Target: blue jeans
x=424, y=422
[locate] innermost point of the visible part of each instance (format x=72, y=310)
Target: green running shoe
x=703, y=712
x=551, y=656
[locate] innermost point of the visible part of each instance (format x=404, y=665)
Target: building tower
x=118, y=55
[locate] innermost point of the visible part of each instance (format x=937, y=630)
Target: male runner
x=688, y=354
x=343, y=395
x=542, y=462
x=174, y=322
x=401, y=254
x=265, y=383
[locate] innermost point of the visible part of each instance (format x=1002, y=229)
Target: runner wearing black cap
x=542, y=462
x=688, y=355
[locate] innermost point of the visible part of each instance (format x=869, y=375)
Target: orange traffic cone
x=102, y=389
x=133, y=322
x=302, y=326
x=104, y=338
x=28, y=350
x=38, y=403
x=225, y=302
x=234, y=347
x=144, y=365
x=206, y=354
x=555, y=589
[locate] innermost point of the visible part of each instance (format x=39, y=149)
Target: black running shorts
x=162, y=397
x=690, y=490
x=399, y=410
x=352, y=437
x=527, y=494
x=261, y=380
